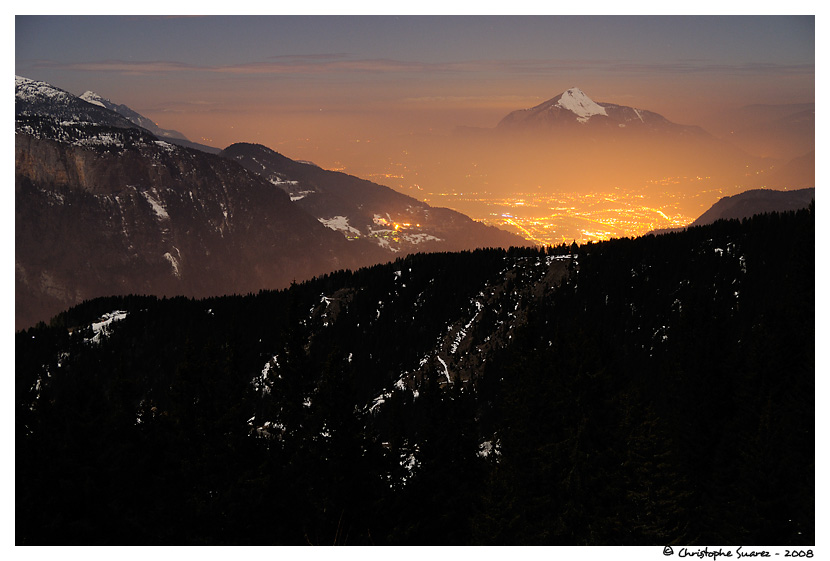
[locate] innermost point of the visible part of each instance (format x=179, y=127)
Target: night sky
x=330, y=79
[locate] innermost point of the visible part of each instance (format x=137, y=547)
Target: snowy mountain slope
x=174, y=137
x=574, y=107
x=44, y=111
x=575, y=101
x=138, y=119
x=105, y=207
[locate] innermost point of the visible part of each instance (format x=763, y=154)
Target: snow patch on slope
x=340, y=224
x=158, y=208
x=174, y=264
x=420, y=238
x=103, y=327
x=575, y=101
x=446, y=369
x=93, y=98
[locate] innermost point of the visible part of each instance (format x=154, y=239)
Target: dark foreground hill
x=651, y=391
x=756, y=201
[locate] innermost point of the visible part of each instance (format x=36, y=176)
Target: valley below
x=556, y=218
x=552, y=194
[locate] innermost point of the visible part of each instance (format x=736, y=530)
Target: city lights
x=552, y=219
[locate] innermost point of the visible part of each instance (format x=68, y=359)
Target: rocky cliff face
x=104, y=207
x=156, y=219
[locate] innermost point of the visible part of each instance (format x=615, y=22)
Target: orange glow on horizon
x=555, y=191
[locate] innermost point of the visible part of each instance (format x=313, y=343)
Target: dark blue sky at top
x=222, y=77
x=209, y=41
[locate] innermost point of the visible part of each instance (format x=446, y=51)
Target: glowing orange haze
x=549, y=192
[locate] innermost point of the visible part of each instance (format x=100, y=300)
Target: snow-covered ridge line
x=28, y=89
x=575, y=101
x=93, y=98
x=87, y=121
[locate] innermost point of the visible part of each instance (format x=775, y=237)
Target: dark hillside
x=651, y=391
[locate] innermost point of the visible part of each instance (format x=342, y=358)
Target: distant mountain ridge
x=43, y=111
x=799, y=172
x=138, y=119
x=756, y=201
x=750, y=203
x=575, y=110
x=572, y=143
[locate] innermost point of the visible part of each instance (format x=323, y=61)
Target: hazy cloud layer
x=333, y=64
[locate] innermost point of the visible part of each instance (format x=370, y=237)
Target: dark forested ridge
x=650, y=391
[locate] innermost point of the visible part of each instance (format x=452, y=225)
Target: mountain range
x=571, y=143
x=105, y=206
x=108, y=202
x=134, y=117
x=647, y=391
x=783, y=131
x=175, y=137
x=194, y=389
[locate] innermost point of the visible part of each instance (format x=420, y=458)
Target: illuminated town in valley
x=562, y=216
x=552, y=213
x=553, y=219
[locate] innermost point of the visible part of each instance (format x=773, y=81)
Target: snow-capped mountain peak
x=573, y=110
x=95, y=99
x=575, y=101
